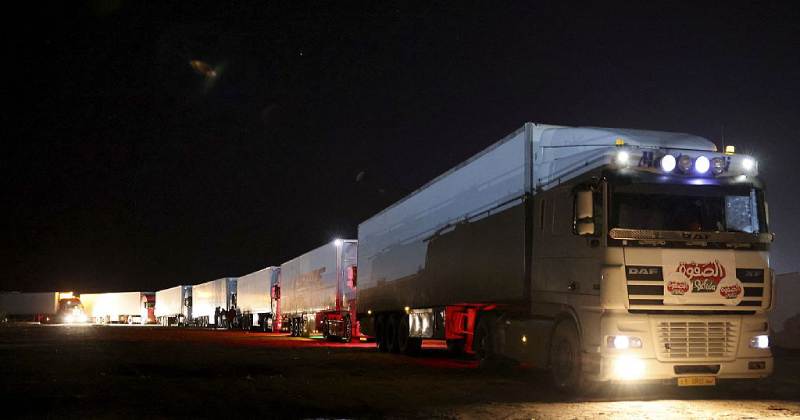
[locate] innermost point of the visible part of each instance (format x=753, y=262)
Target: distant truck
x=212, y=295
x=317, y=292
x=255, y=298
x=120, y=307
x=46, y=308
x=600, y=254
x=174, y=306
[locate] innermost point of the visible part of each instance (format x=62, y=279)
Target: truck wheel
x=380, y=333
x=406, y=344
x=483, y=342
x=391, y=334
x=566, y=366
x=348, y=330
x=325, y=328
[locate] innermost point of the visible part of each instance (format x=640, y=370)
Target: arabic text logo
x=705, y=277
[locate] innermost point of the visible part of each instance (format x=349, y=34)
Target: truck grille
x=696, y=340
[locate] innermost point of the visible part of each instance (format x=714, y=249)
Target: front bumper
x=638, y=369
x=651, y=362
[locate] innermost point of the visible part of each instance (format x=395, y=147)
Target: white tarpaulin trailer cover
x=308, y=282
x=111, y=306
x=253, y=293
x=208, y=296
x=172, y=302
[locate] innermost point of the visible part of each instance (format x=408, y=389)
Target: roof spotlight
x=748, y=164
x=717, y=165
x=701, y=164
x=668, y=163
x=623, y=157
x=684, y=163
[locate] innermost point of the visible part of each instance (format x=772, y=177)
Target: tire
x=348, y=330
x=380, y=333
x=392, y=326
x=566, y=361
x=325, y=329
x=484, y=341
x=405, y=344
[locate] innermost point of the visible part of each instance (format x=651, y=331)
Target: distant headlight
x=623, y=157
x=748, y=164
x=701, y=164
x=668, y=163
x=760, y=342
x=621, y=342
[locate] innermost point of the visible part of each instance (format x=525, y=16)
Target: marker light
x=760, y=342
x=701, y=164
x=717, y=165
x=748, y=164
x=684, y=163
x=337, y=242
x=668, y=163
x=623, y=157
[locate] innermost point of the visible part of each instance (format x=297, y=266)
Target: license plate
x=697, y=381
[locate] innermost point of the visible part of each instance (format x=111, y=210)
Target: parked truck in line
x=211, y=296
x=599, y=254
x=317, y=292
x=45, y=307
x=255, y=298
x=120, y=307
x=174, y=306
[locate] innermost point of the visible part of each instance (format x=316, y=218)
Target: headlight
x=760, y=342
x=622, y=342
x=628, y=367
x=701, y=164
x=68, y=318
x=668, y=163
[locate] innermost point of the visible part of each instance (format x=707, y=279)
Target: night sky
x=127, y=168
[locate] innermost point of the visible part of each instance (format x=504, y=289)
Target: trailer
x=600, y=254
x=45, y=307
x=174, y=306
x=211, y=297
x=785, y=316
x=255, y=298
x=317, y=292
x=119, y=307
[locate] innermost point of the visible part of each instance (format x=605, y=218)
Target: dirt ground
x=137, y=372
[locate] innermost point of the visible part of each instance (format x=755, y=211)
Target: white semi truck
x=174, y=306
x=317, y=292
x=600, y=254
x=255, y=298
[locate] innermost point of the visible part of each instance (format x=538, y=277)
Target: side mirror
x=584, y=213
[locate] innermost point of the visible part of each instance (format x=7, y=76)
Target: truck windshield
x=704, y=208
